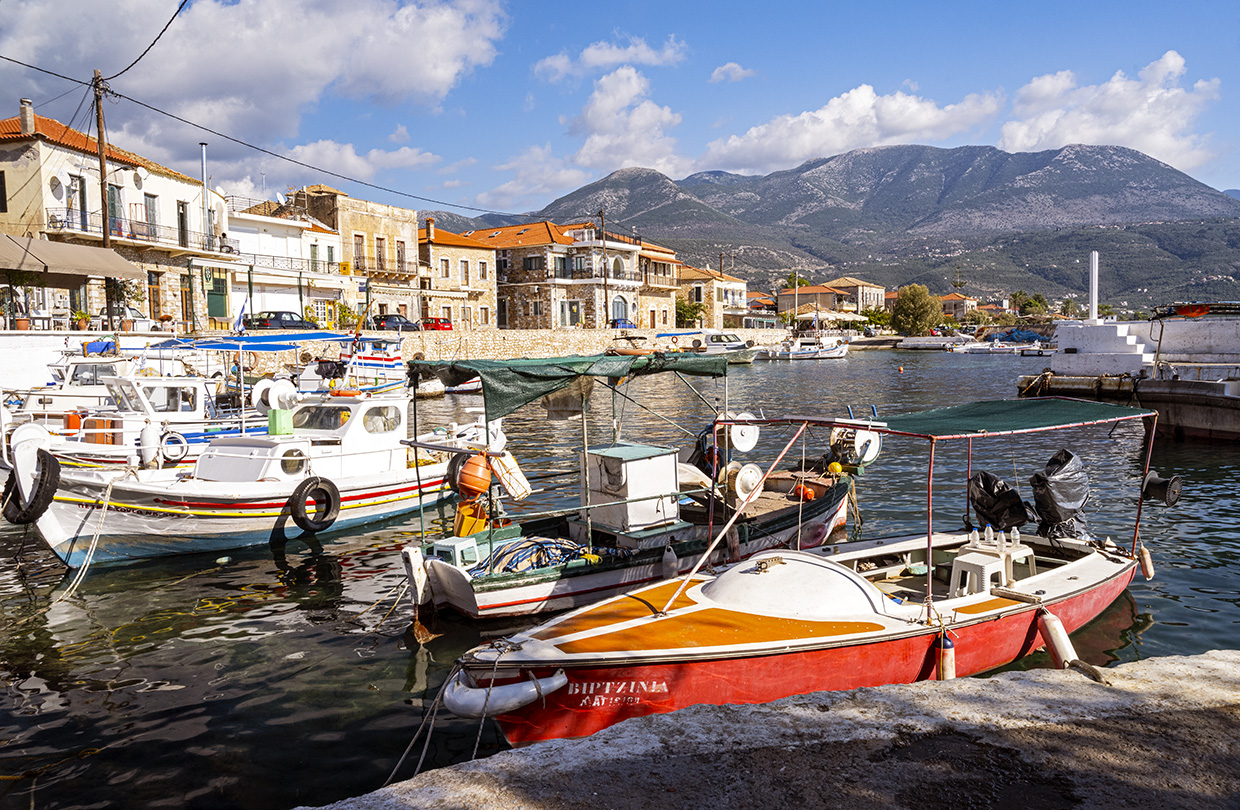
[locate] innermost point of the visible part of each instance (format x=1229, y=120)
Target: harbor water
x=258, y=680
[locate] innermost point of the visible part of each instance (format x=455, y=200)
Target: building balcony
x=123, y=230
x=383, y=267
x=661, y=282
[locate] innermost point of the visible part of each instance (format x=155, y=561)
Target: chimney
x=430, y=229
x=27, y=117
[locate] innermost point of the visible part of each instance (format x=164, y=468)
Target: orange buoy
x=901, y=369
x=345, y=392
x=475, y=477
x=1192, y=310
x=72, y=422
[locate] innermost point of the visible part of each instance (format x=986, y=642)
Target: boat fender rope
x=44, y=492
x=174, y=446
x=1088, y=670
x=326, y=516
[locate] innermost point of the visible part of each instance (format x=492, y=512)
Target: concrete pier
x=1162, y=733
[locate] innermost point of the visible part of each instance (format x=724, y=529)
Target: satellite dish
x=280, y=198
x=259, y=396
x=743, y=437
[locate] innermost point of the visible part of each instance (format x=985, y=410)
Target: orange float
x=1192, y=310
x=475, y=477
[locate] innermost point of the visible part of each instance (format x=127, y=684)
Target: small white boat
x=806, y=347
x=715, y=341
x=1038, y=349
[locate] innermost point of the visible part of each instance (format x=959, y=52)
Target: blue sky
x=504, y=106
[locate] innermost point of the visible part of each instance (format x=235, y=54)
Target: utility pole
x=606, y=294
x=109, y=284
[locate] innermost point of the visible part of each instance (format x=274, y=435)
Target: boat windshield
x=171, y=398
x=321, y=417
x=125, y=395
x=92, y=373
x=725, y=339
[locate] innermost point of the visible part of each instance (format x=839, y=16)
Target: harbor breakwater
x=1158, y=733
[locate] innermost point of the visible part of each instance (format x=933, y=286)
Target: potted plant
x=82, y=320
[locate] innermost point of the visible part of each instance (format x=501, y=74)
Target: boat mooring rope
x=431, y=718
x=90, y=552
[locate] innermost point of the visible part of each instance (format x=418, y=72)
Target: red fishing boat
x=866, y=613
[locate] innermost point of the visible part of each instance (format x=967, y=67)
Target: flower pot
x=21, y=323
x=126, y=325
x=82, y=324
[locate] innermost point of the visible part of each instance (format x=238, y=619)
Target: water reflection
x=190, y=683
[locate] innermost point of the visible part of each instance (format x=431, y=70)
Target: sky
x=492, y=106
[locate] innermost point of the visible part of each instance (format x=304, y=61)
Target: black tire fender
x=453, y=476
x=44, y=492
x=319, y=489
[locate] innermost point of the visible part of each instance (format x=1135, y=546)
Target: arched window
x=619, y=308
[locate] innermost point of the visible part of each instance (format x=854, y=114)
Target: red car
x=436, y=323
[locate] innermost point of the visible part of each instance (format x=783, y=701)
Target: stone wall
x=505, y=344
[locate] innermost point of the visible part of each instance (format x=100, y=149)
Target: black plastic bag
x=996, y=503
x=1060, y=492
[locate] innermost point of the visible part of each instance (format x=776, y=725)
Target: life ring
x=174, y=446
x=345, y=392
x=40, y=499
x=675, y=340
x=320, y=490
x=251, y=360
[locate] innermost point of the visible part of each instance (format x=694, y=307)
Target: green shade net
x=1009, y=416
x=509, y=384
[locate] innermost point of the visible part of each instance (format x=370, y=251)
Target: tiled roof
x=529, y=235
x=450, y=239
x=818, y=288
x=688, y=272
x=850, y=281
x=955, y=296
x=52, y=131
x=319, y=188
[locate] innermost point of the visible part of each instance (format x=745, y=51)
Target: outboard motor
x=1060, y=492
x=995, y=503
x=329, y=369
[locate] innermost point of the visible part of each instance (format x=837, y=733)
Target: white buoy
x=1147, y=563
x=671, y=565
x=1056, y=638
x=947, y=658
x=148, y=444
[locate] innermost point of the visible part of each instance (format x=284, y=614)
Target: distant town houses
x=203, y=260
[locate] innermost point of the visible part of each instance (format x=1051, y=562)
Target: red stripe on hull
x=598, y=697
x=277, y=504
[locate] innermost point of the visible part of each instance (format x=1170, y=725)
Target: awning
x=831, y=315
x=62, y=265
x=509, y=384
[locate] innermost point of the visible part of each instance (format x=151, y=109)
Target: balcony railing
x=659, y=280
x=288, y=263
x=68, y=219
x=381, y=264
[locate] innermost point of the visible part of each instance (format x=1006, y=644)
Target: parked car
x=277, y=320
x=622, y=323
x=394, y=322
x=436, y=323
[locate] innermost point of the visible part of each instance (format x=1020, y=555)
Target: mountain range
x=973, y=218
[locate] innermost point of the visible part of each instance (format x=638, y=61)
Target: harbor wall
x=1158, y=733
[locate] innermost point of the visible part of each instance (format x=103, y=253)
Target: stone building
x=377, y=244
x=563, y=276
x=862, y=295
x=957, y=305
x=820, y=295
x=656, y=300
x=725, y=297
x=462, y=277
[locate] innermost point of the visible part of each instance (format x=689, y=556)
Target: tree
x=1069, y=307
x=977, y=317
x=916, y=311
x=794, y=279
x=1035, y=305
x=877, y=315
x=688, y=314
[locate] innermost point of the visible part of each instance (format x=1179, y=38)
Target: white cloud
x=1151, y=113
x=453, y=168
x=246, y=67
x=622, y=127
x=730, y=72
x=855, y=119
x=538, y=177
x=400, y=134
x=606, y=55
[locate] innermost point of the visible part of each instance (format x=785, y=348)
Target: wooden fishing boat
x=644, y=516
x=878, y=611
x=333, y=461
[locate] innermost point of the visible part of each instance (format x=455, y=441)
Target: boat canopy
x=1000, y=417
x=509, y=384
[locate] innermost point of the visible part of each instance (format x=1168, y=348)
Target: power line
x=256, y=148
x=312, y=167
x=152, y=45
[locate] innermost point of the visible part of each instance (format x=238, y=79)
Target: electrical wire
x=152, y=45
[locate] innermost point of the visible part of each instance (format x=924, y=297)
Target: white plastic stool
x=971, y=572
